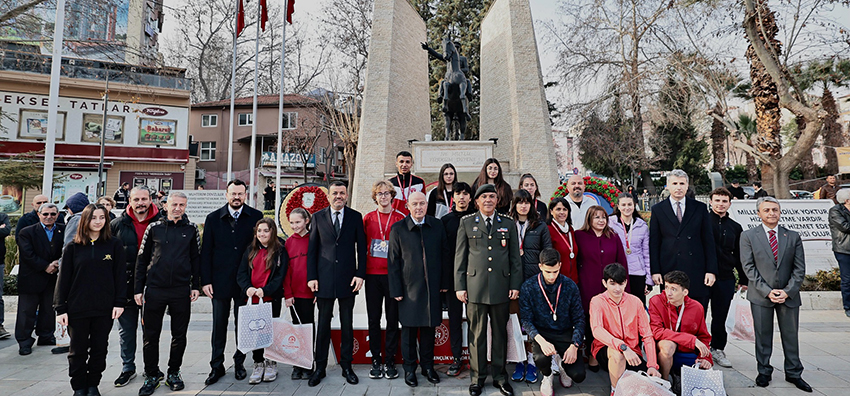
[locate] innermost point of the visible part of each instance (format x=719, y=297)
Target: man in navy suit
x=681, y=238
x=336, y=267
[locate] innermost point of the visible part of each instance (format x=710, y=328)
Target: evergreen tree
x=677, y=141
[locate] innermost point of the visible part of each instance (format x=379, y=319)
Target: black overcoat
x=224, y=244
x=36, y=253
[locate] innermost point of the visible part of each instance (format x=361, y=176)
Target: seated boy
x=678, y=326
x=618, y=321
x=550, y=312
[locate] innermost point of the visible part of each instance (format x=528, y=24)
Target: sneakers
x=454, y=369
x=257, y=375
x=124, y=378
x=4, y=334
x=390, y=371
x=566, y=381
x=519, y=372
x=556, y=368
x=720, y=358
x=376, y=371
x=531, y=373
x=546, y=388
x=174, y=381
x=270, y=374
x=150, y=385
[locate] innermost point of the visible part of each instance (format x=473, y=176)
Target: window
x=290, y=120
x=209, y=120
x=207, y=151
x=322, y=153
x=246, y=119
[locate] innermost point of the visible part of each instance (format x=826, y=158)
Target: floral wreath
x=594, y=185
x=296, y=199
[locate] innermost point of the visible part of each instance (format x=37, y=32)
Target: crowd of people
x=577, y=278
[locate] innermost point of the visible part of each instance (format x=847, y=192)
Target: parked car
x=802, y=194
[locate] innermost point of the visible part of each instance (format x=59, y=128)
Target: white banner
x=809, y=217
x=203, y=202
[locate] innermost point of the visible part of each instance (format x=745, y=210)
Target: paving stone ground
x=824, y=346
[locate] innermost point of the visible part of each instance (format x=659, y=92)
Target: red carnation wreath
x=594, y=185
x=316, y=199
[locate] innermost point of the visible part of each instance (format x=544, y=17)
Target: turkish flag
x=264, y=14
x=240, y=19
x=290, y=9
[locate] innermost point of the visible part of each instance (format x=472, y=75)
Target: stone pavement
x=824, y=346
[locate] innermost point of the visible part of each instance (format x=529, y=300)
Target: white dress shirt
x=673, y=202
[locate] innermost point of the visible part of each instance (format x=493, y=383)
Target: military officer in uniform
x=488, y=274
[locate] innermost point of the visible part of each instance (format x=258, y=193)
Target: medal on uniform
x=504, y=242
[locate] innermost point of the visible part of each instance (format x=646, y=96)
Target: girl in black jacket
x=90, y=294
x=260, y=276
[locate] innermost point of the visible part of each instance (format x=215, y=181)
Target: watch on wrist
x=623, y=347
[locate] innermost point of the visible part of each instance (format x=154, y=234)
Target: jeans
x=128, y=324
x=844, y=267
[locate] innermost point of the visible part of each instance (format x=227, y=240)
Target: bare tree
x=348, y=29
x=303, y=141
x=342, y=118
x=10, y=10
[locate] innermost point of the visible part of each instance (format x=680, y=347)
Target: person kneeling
x=550, y=312
x=678, y=325
x=618, y=321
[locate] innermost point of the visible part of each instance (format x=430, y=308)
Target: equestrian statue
x=455, y=89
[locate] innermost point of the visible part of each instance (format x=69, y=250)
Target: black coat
x=36, y=253
x=25, y=221
x=687, y=247
x=223, y=246
x=169, y=256
x=5, y=230
x=92, y=279
x=535, y=241
x=124, y=231
x=419, y=265
x=274, y=284
x=334, y=260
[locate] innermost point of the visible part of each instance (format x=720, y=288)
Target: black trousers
x=323, y=331
x=378, y=292
x=425, y=337
x=44, y=323
x=455, y=323
x=720, y=296
x=638, y=283
x=87, y=355
x=302, y=311
x=179, y=305
x=221, y=318
x=479, y=316
x=257, y=354
x=561, y=342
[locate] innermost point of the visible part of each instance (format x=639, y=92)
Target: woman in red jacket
x=298, y=297
x=563, y=236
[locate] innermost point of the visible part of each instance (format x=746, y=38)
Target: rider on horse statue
x=455, y=89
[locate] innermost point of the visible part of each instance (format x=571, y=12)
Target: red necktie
x=774, y=245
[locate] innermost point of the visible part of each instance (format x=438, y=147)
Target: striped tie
x=774, y=245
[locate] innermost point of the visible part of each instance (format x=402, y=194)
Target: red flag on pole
x=240, y=19
x=264, y=14
x=290, y=9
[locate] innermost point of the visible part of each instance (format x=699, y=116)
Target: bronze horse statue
x=455, y=89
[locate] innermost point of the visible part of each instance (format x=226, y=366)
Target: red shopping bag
x=739, y=322
x=292, y=344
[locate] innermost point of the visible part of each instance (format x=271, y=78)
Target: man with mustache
x=578, y=201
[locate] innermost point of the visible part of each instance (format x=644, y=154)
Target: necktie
x=679, y=211
x=336, y=222
x=235, y=216
x=774, y=245
x=489, y=225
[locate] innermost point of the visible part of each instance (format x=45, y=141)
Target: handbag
x=739, y=321
x=516, y=346
x=292, y=344
x=255, y=326
x=640, y=384
x=696, y=382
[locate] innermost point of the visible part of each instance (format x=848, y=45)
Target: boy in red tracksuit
x=678, y=326
x=297, y=295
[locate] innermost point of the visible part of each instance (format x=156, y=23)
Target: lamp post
x=101, y=187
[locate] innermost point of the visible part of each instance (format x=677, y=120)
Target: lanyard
x=570, y=243
x=679, y=320
x=401, y=185
x=628, y=234
x=522, y=230
x=387, y=226
x=448, y=198
x=557, y=296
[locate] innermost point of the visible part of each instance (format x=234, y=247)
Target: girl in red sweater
x=298, y=297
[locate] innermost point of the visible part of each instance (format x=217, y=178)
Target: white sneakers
x=257, y=374
x=263, y=372
x=270, y=374
x=720, y=358
x=546, y=386
x=566, y=381
x=556, y=368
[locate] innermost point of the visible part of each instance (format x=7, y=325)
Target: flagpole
x=280, y=116
x=53, y=100
x=253, y=156
x=232, y=99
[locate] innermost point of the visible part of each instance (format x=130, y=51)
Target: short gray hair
x=842, y=195
x=177, y=194
x=766, y=199
x=48, y=205
x=141, y=188
x=679, y=173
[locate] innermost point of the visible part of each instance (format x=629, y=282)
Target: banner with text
x=200, y=203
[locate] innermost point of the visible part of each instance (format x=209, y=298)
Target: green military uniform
x=488, y=267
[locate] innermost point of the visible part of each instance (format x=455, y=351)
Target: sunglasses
x=52, y=214
x=41, y=203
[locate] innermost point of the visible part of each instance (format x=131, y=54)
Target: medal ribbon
x=570, y=243
x=449, y=199
x=628, y=233
x=387, y=227
x=521, y=233
x=557, y=294
x=401, y=185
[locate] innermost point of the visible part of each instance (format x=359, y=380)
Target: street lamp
x=101, y=187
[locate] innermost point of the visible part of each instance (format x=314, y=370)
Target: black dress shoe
x=762, y=380
x=46, y=341
x=239, y=371
x=504, y=388
x=25, y=350
x=81, y=392
x=60, y=350
x=800, y=384
x=349, y=376
x=410, y=379
x=297, y=374
x=475, y=390
x=93, y=391
x=431, y=375
x=214, y=376
x=316, y=378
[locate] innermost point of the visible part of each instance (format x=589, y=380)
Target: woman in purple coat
x=598, y=246
x=634, y=235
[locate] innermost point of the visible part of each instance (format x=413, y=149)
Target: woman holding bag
x=299, y=298
x=90, y=294
x=261, y=276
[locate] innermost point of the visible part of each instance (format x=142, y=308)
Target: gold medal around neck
x=629, y=251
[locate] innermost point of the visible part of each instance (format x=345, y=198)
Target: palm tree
x=830, y=72
x=747, y=127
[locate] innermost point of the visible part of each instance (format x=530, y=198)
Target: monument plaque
x=466, y=156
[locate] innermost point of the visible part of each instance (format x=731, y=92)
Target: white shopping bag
x=61, y=334
x=640, y=384
x=293, y=344
x=255, y=329
x=739, y=321
x=696, y=382
x=516, y=347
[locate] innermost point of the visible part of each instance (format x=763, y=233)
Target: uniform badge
x=107, y=257
x=504, y=242
x=474, y=229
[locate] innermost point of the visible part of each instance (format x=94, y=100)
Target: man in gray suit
x=773, y=258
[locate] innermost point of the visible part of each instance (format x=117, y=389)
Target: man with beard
x=129, y=229
x=578, y=201
x=227, y=233
x=404, y=182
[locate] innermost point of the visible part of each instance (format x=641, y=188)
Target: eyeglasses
x=384, y=194
x=51, y=214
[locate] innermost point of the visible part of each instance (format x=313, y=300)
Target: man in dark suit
x=40, y=247
x=488, y=274
x=681, y=238
x=336, y=267
x=775, y=263
x=32, y=217
x=227, y=233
